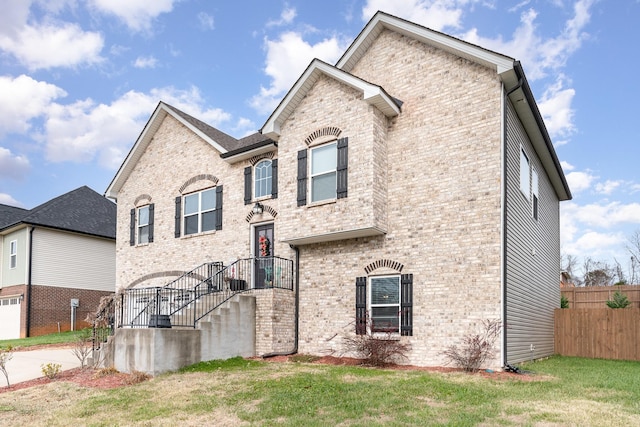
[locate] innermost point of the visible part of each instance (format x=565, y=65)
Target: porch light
x=257, y=208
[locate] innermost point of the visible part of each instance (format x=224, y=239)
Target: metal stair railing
x=197, y=293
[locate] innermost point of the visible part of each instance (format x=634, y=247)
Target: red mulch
x=82, y=377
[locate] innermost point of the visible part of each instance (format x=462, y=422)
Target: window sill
x=141, y=245
x=394, y=336
x=322, y=203
x=203, y=233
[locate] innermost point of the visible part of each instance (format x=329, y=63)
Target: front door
x=263, y=252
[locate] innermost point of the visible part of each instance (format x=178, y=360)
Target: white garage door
x=9, y=318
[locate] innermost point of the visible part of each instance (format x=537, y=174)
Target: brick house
x=411, y=187
x=56, y=261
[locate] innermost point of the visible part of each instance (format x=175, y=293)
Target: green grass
x=56, y=338
x=559, y=391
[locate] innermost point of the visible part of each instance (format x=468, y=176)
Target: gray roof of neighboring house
x=81, y=210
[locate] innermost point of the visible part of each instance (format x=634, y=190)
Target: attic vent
x=326, y=131
x=197, y=178
x=381, y=263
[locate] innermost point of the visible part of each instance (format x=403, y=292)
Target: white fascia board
x=338, y=235
x=248, y=154
x=372, y=94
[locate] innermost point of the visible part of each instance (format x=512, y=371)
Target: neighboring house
x=57, y=261
x=413, y=186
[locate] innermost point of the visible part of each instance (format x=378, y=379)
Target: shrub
x=51, y=370
x=83, y=346
x=475, y=348
x=564, y=302
x=619, y=300
x=137, y=377
x=105, y=372
x=377, y=349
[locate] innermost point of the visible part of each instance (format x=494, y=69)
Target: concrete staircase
x=228, y=331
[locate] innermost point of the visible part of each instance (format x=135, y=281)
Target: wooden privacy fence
x=598, y=333
x=597, y=296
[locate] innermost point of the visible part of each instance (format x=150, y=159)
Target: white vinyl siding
x=71, y=260
x=532, y=254
x=18, y=274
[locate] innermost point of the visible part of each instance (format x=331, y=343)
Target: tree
x=597, y=273
x=619, y=300
x=569, y=265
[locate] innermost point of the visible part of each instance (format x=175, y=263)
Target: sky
x=79, y=80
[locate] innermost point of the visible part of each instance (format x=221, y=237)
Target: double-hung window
x=263, y=176
x=323, y=172
x=143, y=225
x=13, y=254
x=200, y=211
x=328, y=172
x=534, y=190
x=384, y=304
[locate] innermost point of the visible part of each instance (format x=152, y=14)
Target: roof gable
x=216, y=138
x=371, y=93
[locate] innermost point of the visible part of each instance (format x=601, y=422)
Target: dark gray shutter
x=406, y=305
x=247, y=185
x=302, y=177
x=219, y=207
x=274, y=178
x=151, y=209
x=132, y=228
x=361, y=305
x=178, y=215
x=343, y=161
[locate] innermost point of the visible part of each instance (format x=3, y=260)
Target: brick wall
x=51, y=306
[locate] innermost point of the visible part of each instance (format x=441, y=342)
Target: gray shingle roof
x=81, y=210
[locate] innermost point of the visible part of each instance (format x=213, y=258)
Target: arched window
x=262, y=183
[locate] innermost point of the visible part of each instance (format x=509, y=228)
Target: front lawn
x=560, y=391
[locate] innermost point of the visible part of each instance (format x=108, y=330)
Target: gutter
x=29, y=285
x=294, y=350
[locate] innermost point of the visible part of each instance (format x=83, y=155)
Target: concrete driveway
x=27, y=365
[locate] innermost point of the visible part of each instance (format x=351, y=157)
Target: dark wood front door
x=263, y=252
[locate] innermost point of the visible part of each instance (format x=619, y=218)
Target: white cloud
x=432, y=14
x=47, y=46
x=608, y=186
x=286, y=17
x=145, y=62
x=555, y=107
x=540, y=56
x=605, y=215
x=287, y=57
x=566, y=166
x=12, y=166
x=138, y=15
x=22, y=100
x=81, y=131
x=579, y=181
x=6, y=199
x=206, y=21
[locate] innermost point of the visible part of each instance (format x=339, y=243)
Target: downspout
x=29, y=287
x=294, y=350
x=504, y=216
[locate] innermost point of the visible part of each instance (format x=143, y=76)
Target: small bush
x=105, y=372
x=564, y=302
x=475, y=348
x=137, y=377
x=51, y=370
x=619, y=300
x=83, y=346
x=377, y=349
